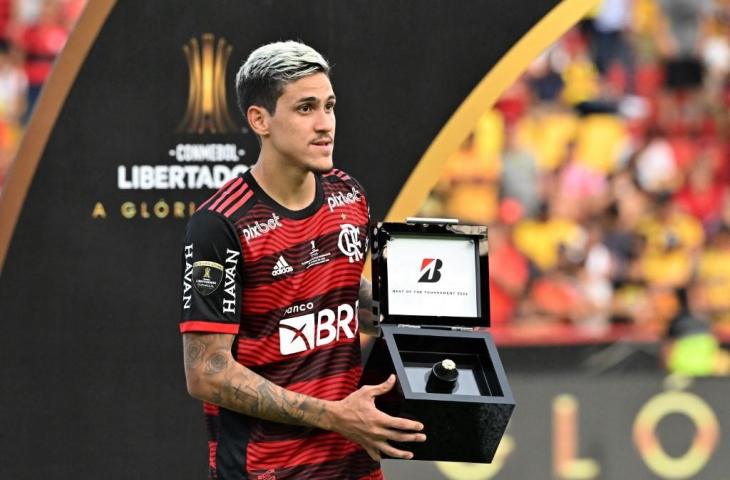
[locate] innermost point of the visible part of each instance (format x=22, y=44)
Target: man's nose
x=325, y=121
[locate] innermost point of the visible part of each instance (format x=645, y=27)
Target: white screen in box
x=432, y=277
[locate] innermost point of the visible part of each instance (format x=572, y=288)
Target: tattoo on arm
x=194, y=350
x=216, y=363
x=229, y=384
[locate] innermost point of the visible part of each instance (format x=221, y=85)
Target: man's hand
x=214, y=376
x=356, y=418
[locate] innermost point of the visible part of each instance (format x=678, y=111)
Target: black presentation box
x=430, y=292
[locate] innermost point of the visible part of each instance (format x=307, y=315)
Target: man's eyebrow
x=314, y=99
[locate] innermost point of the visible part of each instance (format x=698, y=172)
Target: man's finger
x=401, y=423
x=383, y=387
x=374, y=454
x=399, y=436
x=390, y=450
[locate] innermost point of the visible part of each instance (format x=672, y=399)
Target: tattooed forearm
x=214, y=376
x=194, y=351
x=216, y=363
x=263, y=399
x=365, y=309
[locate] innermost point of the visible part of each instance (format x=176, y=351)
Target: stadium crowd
x=603, y=174
x=32, y=33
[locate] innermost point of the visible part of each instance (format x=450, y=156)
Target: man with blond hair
x=273, y=294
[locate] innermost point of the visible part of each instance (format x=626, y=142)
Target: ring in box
x=430, y=292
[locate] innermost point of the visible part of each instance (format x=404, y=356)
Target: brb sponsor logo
x=314, y=329
x=431, y=270
x=251, y=232
x=340, y=199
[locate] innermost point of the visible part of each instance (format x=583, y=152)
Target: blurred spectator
x=610, y=27
x=595, y=279
x=715, y=46
x=684, y=19
x=581, y=186
x=26, y=12
x=508, y=270
x=519, y=174
x=546, y=133
x=703, y=193
x=5, y=17
x=601, y=142
x=713, y=277
x=673, y=239
x=42, y=42
x=472, y=180
x=691, y=348
x=13, y=85
x=656, y=168
x=543, y=80
x=544, y=239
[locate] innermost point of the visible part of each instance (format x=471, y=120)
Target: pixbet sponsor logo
x=258, y=229
x=306, y=332
x=430, y=267
x=340, y=199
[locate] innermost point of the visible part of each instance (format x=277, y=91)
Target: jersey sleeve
x=366, y=206
x=211, y=271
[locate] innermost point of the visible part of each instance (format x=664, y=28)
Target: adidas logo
x=281, y=267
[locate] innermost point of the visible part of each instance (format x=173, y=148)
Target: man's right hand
x=356, y=418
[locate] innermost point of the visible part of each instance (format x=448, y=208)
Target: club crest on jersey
x=349, y=242
x=305, y=332
x=251, y=232
x=207, y=276
x=281, y=267
x=339, y=199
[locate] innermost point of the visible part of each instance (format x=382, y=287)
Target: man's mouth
x=322, y=142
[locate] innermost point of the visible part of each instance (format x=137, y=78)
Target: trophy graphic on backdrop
x=431, y=295
x=207, y=107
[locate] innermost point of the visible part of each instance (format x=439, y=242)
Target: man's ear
x=258, y=120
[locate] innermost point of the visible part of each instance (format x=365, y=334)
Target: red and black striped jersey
x=286, y=284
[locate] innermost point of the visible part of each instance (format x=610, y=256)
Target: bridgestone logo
x=306, y=332
x=431, y=269
x=281, y=267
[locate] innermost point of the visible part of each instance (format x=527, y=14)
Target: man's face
x=302, y=130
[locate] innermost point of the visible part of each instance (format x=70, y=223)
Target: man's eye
x=305, y=108
x=329, y=107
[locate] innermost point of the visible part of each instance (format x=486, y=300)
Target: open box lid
x=428, y=272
